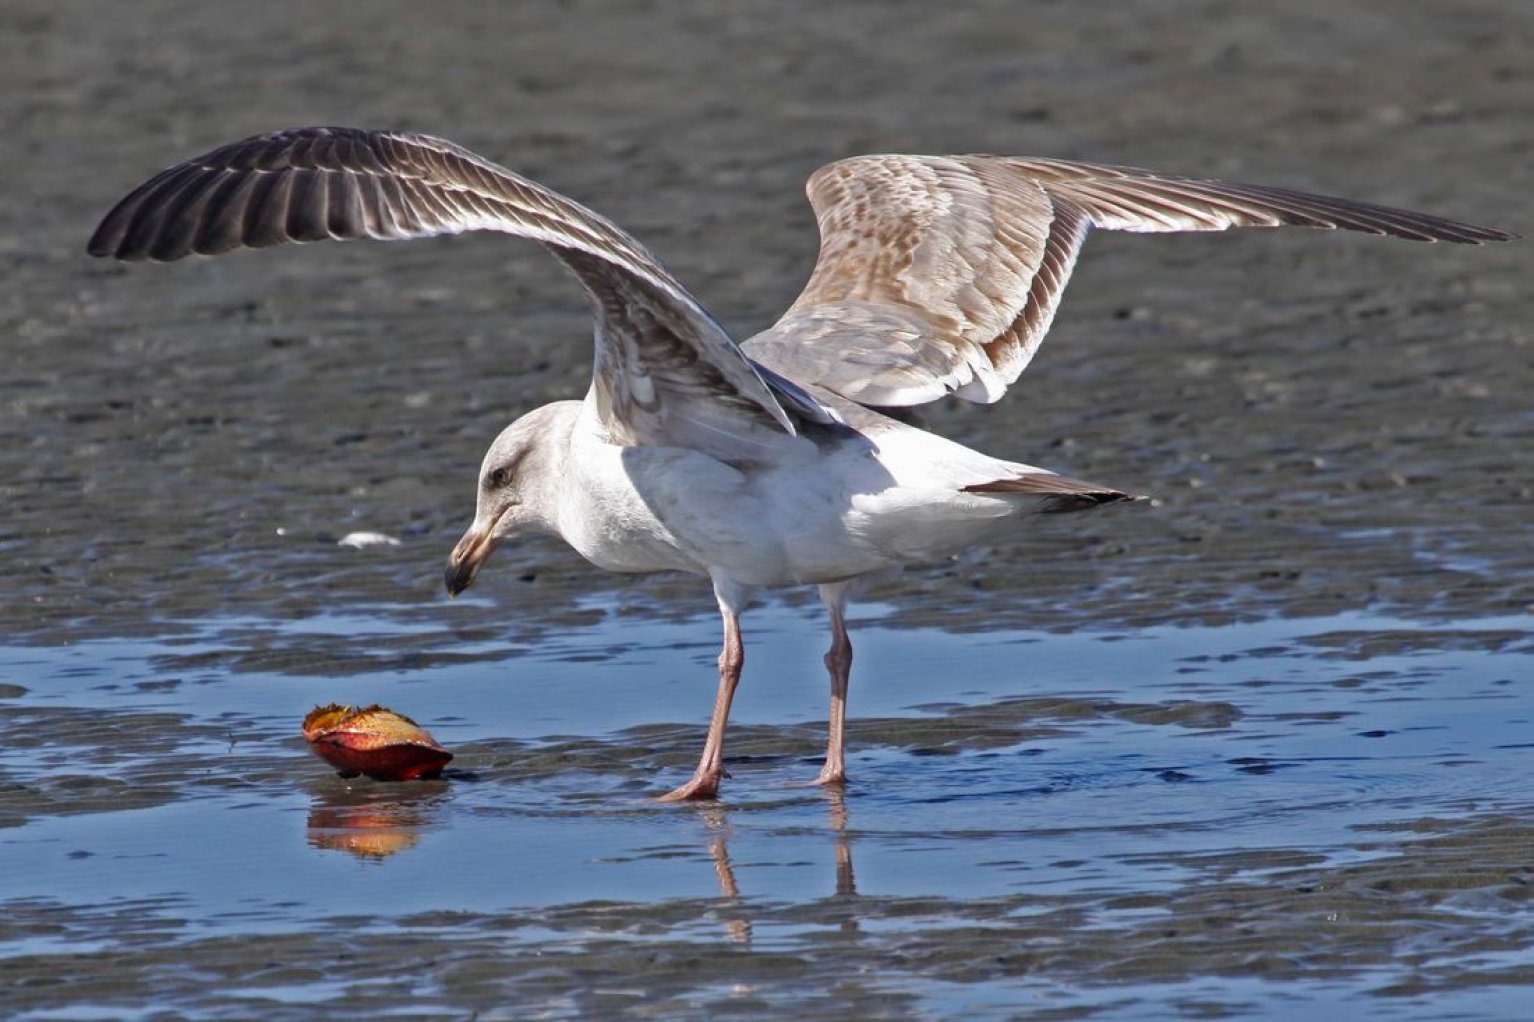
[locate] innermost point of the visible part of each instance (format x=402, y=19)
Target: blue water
x=1165, y=759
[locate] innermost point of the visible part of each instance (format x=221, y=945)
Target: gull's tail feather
x=1057, y=494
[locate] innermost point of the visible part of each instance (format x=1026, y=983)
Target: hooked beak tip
x=465, y=560
x=459, y=575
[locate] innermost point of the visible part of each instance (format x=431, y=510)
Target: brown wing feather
x=663, y=366
x=941, y=275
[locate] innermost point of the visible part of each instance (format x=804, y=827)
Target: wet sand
x=1258, y=750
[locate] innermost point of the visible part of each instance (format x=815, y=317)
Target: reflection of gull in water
x=846, y=883
x=736, y=923
x=762, y=463
x=734, y=912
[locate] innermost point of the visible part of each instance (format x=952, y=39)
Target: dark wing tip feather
x=107, y=235
x=266, y=220
x=1057, y=494
x=1063, y=503
x=1306, y=209
x=299, y=185
x=1290, y=207
x=308, y=212
x=222, y=221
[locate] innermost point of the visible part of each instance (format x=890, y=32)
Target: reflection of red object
x=368, y=832
x=375, y=741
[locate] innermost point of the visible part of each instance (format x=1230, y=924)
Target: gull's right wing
x=940, y=274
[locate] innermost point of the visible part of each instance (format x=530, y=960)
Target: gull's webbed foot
x=704, y=784
x=832, y=776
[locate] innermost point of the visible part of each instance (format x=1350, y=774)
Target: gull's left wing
x=665, y=371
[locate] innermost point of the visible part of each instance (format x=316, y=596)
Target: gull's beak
x=463, y=563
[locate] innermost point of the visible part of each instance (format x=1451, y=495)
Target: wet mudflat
x=1313, y=812
x=1261, y=750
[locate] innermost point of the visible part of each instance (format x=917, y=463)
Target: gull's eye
x=497, y=478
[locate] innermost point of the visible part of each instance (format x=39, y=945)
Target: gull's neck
x=547, y=464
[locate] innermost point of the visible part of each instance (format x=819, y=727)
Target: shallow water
x=1260, y=749
x=1249, y=818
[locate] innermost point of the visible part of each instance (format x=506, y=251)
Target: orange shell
x=375, y=741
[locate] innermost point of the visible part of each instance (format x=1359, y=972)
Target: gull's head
x=517, y=481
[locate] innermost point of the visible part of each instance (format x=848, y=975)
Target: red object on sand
x=373, y=740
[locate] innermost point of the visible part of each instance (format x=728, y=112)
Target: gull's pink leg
x=839, y=664
x=705, y=780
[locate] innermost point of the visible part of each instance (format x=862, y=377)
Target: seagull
x=784, y=459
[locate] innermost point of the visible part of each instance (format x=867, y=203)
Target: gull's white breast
x=823, y=507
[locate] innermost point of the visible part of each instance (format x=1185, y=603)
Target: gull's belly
x=666, y=509
x=821, y=531
x=658, y=509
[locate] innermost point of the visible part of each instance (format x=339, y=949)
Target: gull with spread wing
x=764, y=463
